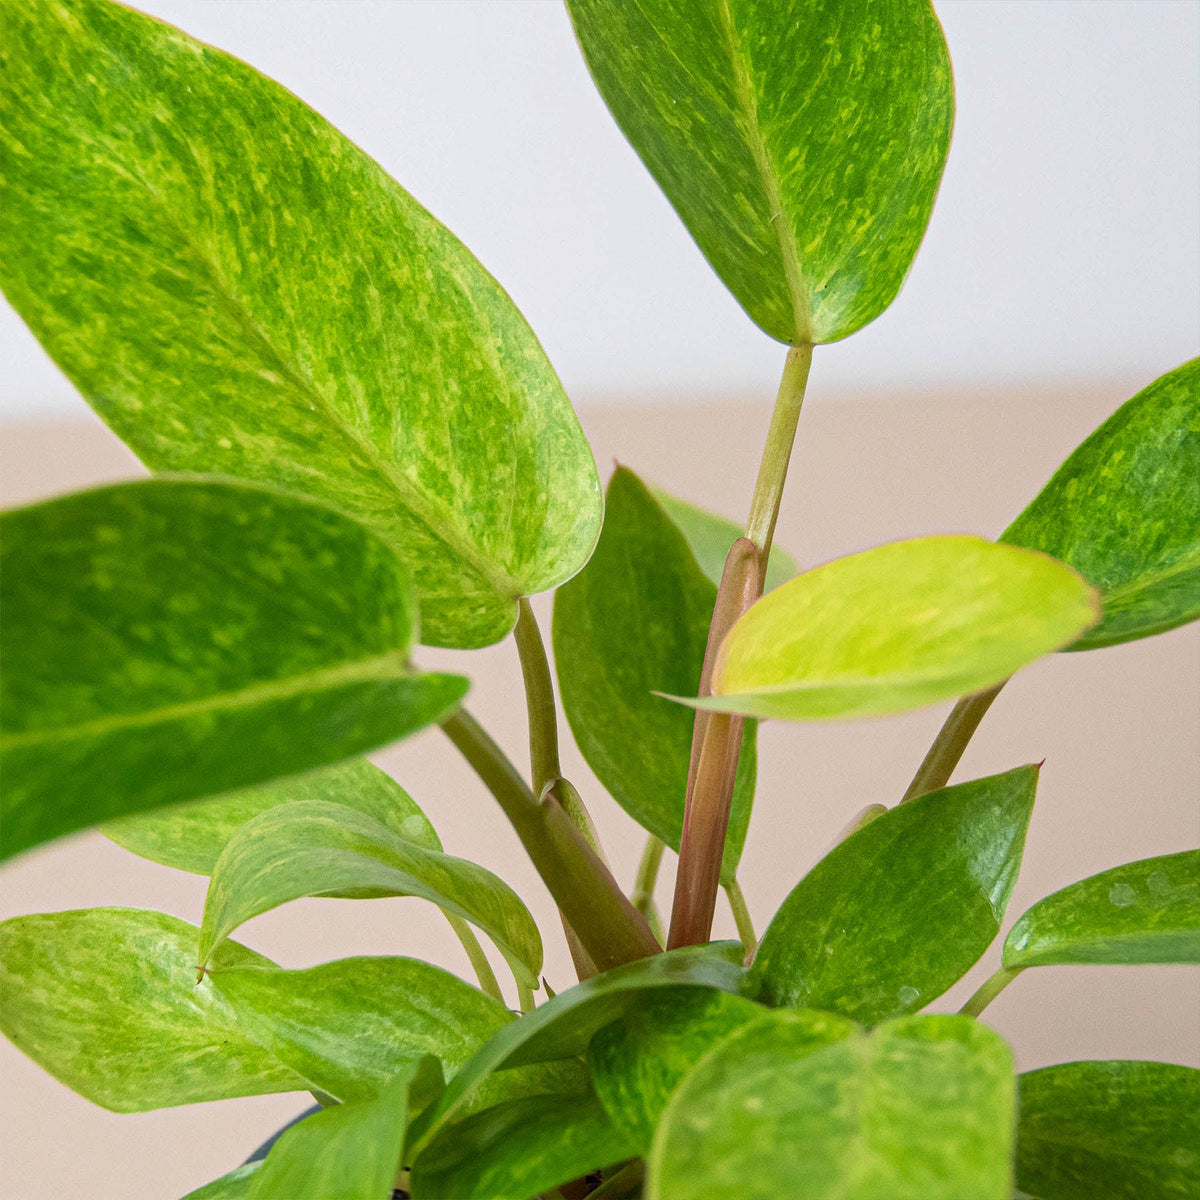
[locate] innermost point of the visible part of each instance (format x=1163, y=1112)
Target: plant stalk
x=642, y=896
x=938, y=765
x=478, y=959
x=992, y=987
x=741, y=917
x=611, y=930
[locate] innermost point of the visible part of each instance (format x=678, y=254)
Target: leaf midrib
x=1189, y=562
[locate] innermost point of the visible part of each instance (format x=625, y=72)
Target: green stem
x=525, y=997
x=991, y=988
x=938, y=765
x=625, y=1182
x=642, y=896
x=479, y=963
x=741, y=916
x=539, y=698
x=611, y=930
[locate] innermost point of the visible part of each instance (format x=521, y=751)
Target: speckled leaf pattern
x=237, y=289
x=350, y=1025
x=234, y=1186
x=1121, y=1130
x=898, y=627
x=183, y=638
x=638, y=1062
x=1124, y=511
x=316, y=848
x=106, y=1001
x=1141, y=912
x=634, y=622
x=191, y=836
x=563, y=1026
x=801, y=141
x=709, y=537
x=900, y=910
x=921, y=1109
x=520, y=1149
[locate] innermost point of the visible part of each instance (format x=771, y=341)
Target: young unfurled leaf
x=1124, y=511
x=637, y=1062
x=563, y=1027
x=106, y=1001
x=896, y=628
x=1141, y=912
x=316, y=848
x=173, y=639
x=634, y=622
x=191, y=836
x=1121, y=1130
x=237, y=289
x=901, y=909
x=801, y=141
x=520, y=1149
x=921, y=1109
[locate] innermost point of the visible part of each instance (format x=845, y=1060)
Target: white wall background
x=1066, y=242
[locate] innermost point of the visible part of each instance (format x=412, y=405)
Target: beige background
x=1119, y=730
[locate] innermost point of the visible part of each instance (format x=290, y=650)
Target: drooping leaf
x=172, y=639
x=801, y=141
x=563, y=1027
x=901, y=909
x=921, y=1109
x=350, y=1025
x=638, y=1062
x=1121, y=1130
x=237, y=289
x=634, y=622
x=316, y=848
x=1141, y=912
x=233, y=1186
x=897, y=627
x=520, y=1149
x=709, y=537
x=106, y=1001
x=1124, y=511
x=191, y=836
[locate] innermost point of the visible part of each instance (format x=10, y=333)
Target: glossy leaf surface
x=801, y=141
x=896, y=628
x=901, y=909
x=1141, y=912
x=191, y=836
x=181, y=638
x=106, y=1001
x=520, y=1149
x=237, y=289
x=233, y=1186
x=1124, y=511
x=315, y=848
x=634, y=622
x=921, y=1109
x=1121, y=1130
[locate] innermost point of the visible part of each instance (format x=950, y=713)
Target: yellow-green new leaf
x=106, y=1001
x=316, y=848
x=896, y=628
x=237, y=289
x=801, y=141
x=178, y=638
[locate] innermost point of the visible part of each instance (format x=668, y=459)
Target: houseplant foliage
x=358, y=446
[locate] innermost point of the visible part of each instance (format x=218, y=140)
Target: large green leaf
x=233, y=1186
x=921, y=1109
x=520, y=1149
x=898, y=627
x=1124, y=511
x=348, y=1026
x=106, y=1001
x=900, y=910
x=316, y=848
x=192, y=836
x=801, y=141
x=238, y=289
x=638, y=1062
x=1121, y=1130
x=634, y=622
x=563, y=1026
x=172, y=639
x=1142, y=912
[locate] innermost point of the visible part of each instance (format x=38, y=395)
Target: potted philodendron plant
x=358, y=446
